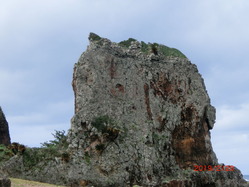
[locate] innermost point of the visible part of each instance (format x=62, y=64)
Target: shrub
x=144, y=47
x=17, y=148
x=87, y=158
x=167, y=51
x=106, y=125
x=65, y=156
x=154, y=48
x=157, y=48
x=127, y=43
x=59, y=142
x=94, y=37
x=101, y=123
x=5, y=153
x=100, y=147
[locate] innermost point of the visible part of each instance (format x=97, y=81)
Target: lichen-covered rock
x=142, y=118
x=5, y=182
x=4, y=129
x=142, y=114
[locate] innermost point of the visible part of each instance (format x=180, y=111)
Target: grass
x=154, y=48
x=127, y=43
x=26, y=183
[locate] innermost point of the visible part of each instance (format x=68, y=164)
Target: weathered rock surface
x=4, y=129
x=156, y=118
x=142, y=117
x=4, y=182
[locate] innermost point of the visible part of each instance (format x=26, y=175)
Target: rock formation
x=4, y=129
x=4, y=182
x=142, y=117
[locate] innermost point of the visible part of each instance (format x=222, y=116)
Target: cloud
x=230, y=136
x=34, y=135
x=226, y=83
x=41, y=40
x=231, y=148
x=230, y=118
x=33, y=128
x=13, y=86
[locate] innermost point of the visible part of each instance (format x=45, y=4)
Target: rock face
x=4, y=129
x=4, y=182
x=142, y=116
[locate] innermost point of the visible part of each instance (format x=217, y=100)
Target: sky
x=40, y=40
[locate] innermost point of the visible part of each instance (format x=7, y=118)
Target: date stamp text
x=213, y=168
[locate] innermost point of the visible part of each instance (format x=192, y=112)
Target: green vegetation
x=167, y=51
x=33, y=156
x=60, y=141
x=145, y=48
x=100, y=147
x=101, y=123
x=127, y=43
x=157, y=136
x=106, y=125
x=17, y=148
x=94, y=37
x=87, y=158
x=5, y=153
x=48, y=151
x=154, y=48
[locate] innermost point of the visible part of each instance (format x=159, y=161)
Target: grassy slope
x=26, y=183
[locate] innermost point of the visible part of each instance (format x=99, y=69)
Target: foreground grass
x=25, y=183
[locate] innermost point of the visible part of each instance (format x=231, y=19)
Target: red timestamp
x=213, y=168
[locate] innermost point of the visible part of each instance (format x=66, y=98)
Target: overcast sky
x=40, y=40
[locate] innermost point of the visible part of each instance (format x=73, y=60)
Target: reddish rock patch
x=120, y=88
x=167, y=89
x=188, y=140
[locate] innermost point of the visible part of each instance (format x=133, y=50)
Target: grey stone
x=4, y=129
x=142, y=117
x=161, y=109
x=5, y=182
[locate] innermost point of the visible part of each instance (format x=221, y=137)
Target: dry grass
x=25, y=183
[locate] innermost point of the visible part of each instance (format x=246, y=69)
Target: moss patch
x=127, y=43
x=94, y=37
x=146, y=48
x=5, y=153
x=101, y=123
x=154, y=48
x=167, y=51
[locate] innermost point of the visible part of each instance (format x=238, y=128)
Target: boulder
x=5, y=182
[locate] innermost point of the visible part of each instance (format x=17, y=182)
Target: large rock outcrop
x=4, y=182
x=142, y=117
x=4, y=129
